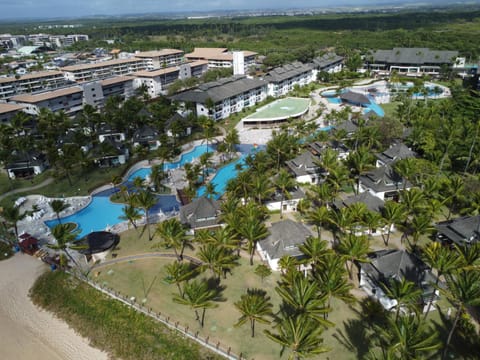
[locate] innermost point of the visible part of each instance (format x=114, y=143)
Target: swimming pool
x=221, y=178
x=334, y=100
x=377, y=109
x=196, y=152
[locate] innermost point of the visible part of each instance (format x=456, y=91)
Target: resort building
x=394, y=153
x=305, y=168
x=110, y=152
x=97, y=92
x=411, y=61
x=461, y=231
x=25, y=164
x=31, y=83
x=106, y=132
x=222, y=58
x=317, y=148
x=389, y=265
x=158, y=59
x=69, y=100
x=147, y=137
x=103, y=70
x=201, y=213
x=282, y=80
x=284, y=239
x=280, y=202
x=8, y=111
x=384, y=183
x=330, y=62
x=219, y=99
x=98, y=245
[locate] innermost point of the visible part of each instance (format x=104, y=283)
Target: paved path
x=29, y=188
x=144, y=256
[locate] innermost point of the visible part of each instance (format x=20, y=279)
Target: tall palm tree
x=252, y=230
x=284, y=182
x=407, y=338
x=58, y=206
x=255, y=306
x=217, y=259
x=300, y=335
x=315, y=251
x=359, y=161
x=65, y=237
x=146, y=200
x=404, y=292
x=206, y=163
x=418, y=226
x=197, y=295
x=179, y=272
x=12, y=215
x=354, y=248
x=462, y=291
x=130, y=214
x=231, y=140
x=443, y=260
x=210, y=192
x=393, y=213
x=319, y=217
x=300, y=296
x=172, y=234
x=261, y=187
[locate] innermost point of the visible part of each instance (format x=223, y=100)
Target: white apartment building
x=221, y=57
x=8, y=111
x=158, y=59
x=103, y=70
x=281, y=80
x=97, y=92
x=228, y=95
x=30, y=83
x=70, y=100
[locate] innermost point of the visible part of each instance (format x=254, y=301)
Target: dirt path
x=29, y=188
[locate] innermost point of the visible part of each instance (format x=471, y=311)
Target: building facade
x=103, y=70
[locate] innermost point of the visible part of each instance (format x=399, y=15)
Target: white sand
x=28, y=333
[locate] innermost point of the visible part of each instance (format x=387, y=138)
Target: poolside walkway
x=144, y=256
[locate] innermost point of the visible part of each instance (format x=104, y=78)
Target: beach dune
x=28, y=332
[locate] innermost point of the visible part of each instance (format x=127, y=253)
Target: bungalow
x=26, y=164
x=284, y=239
x=107, y=132
x=387, y=265
x=289, y=204
x=394, y=153
x=201, y=213
x=317, y=148
x=383, y=182
x=146, y=136
x=110, y=153
x=461, y=231
x=178, y=122
x=305, y=168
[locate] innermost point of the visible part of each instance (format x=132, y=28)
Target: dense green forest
x=453, y=29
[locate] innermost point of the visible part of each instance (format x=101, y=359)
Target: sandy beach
x=27, y=332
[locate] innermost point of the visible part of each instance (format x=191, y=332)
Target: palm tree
x=65, y=237
x=58, y=206
x=210, y=192
x=231, y=140
x=206, y=163
x=263, y=271
x=354, y=248
x=407, y=169
x=301, y=335
x=359, y=161
x=407, y=338
x=393, y=213
x=319, y=217
x=131, y=214
x=420, y=225
x=12, y=215
x=172, y=235
x=331, y=278
x=157, y=175
x=284, y=182
x=469, y=256
x=197, y=295
x=178, y=272
x=404, y=292
x=252, y=230
x=315, y=251
x=442, y=259
x=146, y=200
x=217, y=259
x=261, y=187
x=300, y=296
x=255, y=306
x=462, y=291
x=288, y=264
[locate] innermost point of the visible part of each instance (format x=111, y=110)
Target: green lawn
x=284, y=108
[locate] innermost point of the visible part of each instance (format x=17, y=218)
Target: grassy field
x=110, y=325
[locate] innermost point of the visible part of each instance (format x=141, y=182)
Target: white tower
x=238, y=63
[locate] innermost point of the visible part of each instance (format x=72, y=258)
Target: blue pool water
x=334, y=100
x=377, y=109
x=223, y=175
x=196, y=152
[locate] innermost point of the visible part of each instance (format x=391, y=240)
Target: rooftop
x=6, y=108
x=116, y=80
x=100, y=64
x=158, y=72
x=158, y=53
x=287, y=71
x=414, y=56
x=462, y=230
x=36, y=75
x=27, y=98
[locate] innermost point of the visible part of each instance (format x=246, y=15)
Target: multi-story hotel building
x=281, y=80
x=228, y=96
x=8, y=111
x=221, y=57
x=161, y=58
x=97, y=92
x=70, y=100
x=103, y=70
x=30, y=83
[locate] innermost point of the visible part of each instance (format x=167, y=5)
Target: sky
x=11, y=9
